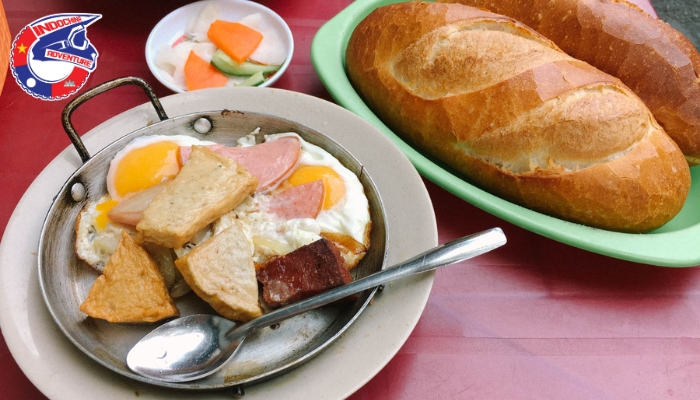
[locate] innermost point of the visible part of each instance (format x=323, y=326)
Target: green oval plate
x=676, y=244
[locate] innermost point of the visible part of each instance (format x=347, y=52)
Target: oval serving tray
x=676, y=244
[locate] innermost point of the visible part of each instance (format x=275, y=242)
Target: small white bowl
x=173, y=25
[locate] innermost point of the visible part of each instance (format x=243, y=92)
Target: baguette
x=648, y=55
x=502, y=105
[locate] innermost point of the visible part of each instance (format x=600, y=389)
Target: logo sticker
x=51, y=58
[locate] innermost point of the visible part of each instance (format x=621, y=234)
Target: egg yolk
x=332, y=182
x=146, y=166
x=102, y=209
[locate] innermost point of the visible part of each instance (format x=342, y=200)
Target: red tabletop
x=534, y=319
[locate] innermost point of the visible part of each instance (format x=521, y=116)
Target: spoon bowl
x=196, y=346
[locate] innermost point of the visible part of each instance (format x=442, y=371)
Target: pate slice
x=222, y=273
x=208, y=186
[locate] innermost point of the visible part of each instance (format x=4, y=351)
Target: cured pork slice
x=305, y=272
x=270, y=162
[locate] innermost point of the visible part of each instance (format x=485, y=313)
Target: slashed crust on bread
x=652, y=58
x=516, y=116
x=222, y=273
x=131, y=289
x=208, y=186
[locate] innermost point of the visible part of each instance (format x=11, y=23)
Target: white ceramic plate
x=173, y=25
x=62, y=371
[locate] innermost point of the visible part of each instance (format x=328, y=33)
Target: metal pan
x=65, y=280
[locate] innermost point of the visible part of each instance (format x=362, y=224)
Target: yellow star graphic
x=22, y=48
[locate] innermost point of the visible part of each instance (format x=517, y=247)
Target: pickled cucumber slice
x=227, y=65
x=255, y=80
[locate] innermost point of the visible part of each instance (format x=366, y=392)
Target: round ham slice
x=270, y=162
x=185, y=151
x=302, y=201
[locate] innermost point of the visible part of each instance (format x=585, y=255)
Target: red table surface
x=536, y=319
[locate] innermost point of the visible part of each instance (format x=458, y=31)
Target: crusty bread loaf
x=504, y=106
x=648, y=55
x=208, y=186
x=131, y=289
x=221, y=272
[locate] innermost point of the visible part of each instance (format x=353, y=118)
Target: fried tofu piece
x=131, y=289
x=305, y=272
x=208, y=186
x=221, y=272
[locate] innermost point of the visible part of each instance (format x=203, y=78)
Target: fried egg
x=145, y=162
x=345, y=209
x=149, y=160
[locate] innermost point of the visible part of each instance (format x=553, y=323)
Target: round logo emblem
x=51, y=58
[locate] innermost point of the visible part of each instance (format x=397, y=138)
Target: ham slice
x=302, y=201
x=270, y=162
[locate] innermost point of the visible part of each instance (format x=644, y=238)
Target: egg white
x=270, y=235
x=95, y=245
x=350, y=215
x=273, y=236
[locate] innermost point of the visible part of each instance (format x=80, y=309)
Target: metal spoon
x=195, y=346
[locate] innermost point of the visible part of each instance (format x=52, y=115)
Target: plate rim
x=667, y=249
x=26, y=334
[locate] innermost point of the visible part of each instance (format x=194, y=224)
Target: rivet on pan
x=202, y=125
x=77, y=192
x=237, y=392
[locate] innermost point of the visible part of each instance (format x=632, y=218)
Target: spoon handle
x=449, y=253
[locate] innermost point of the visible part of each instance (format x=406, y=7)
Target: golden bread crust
x=546, y=131
x=648, y=55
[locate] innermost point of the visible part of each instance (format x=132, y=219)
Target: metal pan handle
x=90, y=93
